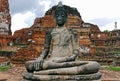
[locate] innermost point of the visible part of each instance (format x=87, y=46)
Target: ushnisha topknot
x=60, y=4
x=60, y=7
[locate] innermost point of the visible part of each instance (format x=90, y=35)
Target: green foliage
x=113, y=68
x=4, y=68
x=106, y=31
x=115, y=52
x=9, y=52
x=21, y=45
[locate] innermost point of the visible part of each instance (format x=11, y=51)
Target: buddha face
x=60, y=18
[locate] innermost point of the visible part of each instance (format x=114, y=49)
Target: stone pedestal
x=82, y=77
x=63, y=80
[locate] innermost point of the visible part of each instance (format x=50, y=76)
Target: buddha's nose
x=59, y=18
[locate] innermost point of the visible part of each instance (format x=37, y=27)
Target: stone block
x=82, y=77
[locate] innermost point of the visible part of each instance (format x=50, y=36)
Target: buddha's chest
x=60, y=36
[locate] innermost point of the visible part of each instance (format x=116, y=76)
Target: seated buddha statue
x=62, y=59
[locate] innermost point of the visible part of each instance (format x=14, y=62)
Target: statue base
x=82, y=77
x=63, y=80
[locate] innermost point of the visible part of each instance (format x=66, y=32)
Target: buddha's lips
x=60, y=21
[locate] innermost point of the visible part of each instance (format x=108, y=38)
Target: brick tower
x=5, y=23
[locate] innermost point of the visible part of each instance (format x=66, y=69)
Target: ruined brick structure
x=5, y=18
x=21, y=36
x=5, y=24
x=106, y=42
x=24, y=55
x=115, y=37
x=89, y=35
x=114, y=40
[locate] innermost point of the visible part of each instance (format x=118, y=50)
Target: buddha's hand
x=75, y=53
x=38, y=64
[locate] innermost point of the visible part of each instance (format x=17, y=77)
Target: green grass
x=113, y=68
x=114, y=52
x=2, y=51
x=4, y=68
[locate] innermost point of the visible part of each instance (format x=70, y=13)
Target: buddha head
x=60, y=15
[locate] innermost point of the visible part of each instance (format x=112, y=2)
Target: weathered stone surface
x=21, y=36
x=74, y=22
x=101, y=38
x=24, y=55
x=5, y=40
x=5, y=24
x=45, y=22
x=83, y=77
x=69, y=68
x=4, y=61
x=5, y=18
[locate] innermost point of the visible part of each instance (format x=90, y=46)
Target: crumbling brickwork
x=5, y=24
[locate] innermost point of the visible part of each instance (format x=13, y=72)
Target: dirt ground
x=15, y=74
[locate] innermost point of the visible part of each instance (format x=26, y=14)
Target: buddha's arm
x=74, y=42
x=46, y=46
x=38, y=63
x=75, y=47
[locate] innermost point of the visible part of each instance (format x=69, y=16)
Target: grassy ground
x=113, y=68
x=4, y=68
